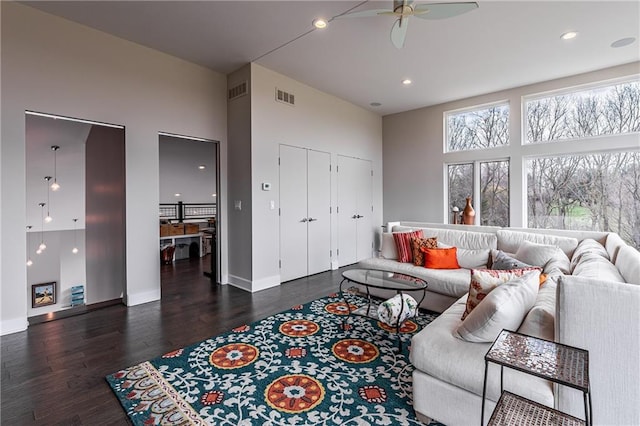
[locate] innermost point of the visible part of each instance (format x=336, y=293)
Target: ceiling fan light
x=320, y=23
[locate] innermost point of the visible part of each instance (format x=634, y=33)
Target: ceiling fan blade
x=399, y=32
x=364, y=13
x=443, y=10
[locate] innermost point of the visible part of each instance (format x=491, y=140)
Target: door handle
x=312, y=219
x=359, y=216
x=304, y=219
x=354, y=216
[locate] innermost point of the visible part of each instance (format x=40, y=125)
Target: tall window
x=487, y=182
x=598, y=192
x=479, y=128
x=586, y=190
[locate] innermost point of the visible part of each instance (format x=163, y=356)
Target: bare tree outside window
x=607, y=110
x=478, y=128
x=460, y=185
x=494, y=193
x=598, y=191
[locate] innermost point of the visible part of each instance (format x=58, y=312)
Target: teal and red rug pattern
x=296, y=367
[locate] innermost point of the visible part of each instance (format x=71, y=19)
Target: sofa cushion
x=436, y=352
x=592, y=265
x=483, y=281
x=613, y=244
x=501, y=260
x=417, y=244
x=470, y=258
x=403, y=244
x=628, y=263
x=459, y=238
x=540, y=321
x=504, y=308
x=509, y=241
x=388, y=246
x=588, y=245
x=551, y=258
x=450, y=282
x=440, y=258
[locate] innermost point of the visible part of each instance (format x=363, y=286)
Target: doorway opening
x=189, y=179
x=75, y=208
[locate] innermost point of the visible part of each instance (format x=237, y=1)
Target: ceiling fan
x=404, y=9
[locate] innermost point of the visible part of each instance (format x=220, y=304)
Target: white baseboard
x=13, y=325
x=240, y=283
x=143, y=297
x=265, y=283
x=253, y=286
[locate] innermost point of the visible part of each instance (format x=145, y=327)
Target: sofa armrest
x=604, y=318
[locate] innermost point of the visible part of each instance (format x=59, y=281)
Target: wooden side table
x=562, y=364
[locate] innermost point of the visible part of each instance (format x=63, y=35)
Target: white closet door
x=318, y=202
x=347, y=210
x=293, y=213
x=364, y=196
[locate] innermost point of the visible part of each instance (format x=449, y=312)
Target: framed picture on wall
x=43, y=294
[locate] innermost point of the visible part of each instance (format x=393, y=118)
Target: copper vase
x=468, y=214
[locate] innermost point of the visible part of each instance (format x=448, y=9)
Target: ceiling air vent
x=237, y=91
x=285, y=97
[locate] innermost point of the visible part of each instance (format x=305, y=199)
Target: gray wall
x=239, y=166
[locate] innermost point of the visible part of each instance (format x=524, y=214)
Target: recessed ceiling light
x=177, y=194
x=406, y=82
x=623, y=42
x=320, y=23
x=569, y=35
x=375, y=104
x=202, y=167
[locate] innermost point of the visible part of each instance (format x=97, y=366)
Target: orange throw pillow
x=441, y=258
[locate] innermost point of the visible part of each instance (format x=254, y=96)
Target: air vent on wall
x=238, y=90
x=285, y=97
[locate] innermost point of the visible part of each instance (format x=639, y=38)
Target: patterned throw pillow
x=403, y=244
x=417, y=244
x=485, y=280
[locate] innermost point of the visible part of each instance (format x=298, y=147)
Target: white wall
x=317, y=121
x=414, y=157
x=53, y=65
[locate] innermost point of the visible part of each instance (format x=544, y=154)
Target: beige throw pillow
x=504, y=308
x=550, y=258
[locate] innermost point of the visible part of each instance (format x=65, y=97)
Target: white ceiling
x=500, y=45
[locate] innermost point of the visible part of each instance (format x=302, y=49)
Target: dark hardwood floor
x=53, y=373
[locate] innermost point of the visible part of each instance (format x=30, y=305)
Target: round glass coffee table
x=386, y=280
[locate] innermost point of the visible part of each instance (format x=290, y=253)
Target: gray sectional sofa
x=591, y=299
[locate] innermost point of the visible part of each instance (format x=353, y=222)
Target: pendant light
x=42, y=245
x=29, y=261
x=48, y=217
x=55, y=185
x=75, y=237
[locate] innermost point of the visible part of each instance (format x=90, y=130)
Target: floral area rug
x=298, y=367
